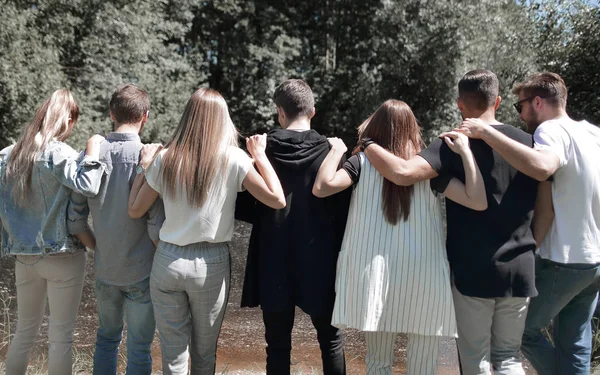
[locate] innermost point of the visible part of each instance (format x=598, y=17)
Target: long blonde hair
x=394, y=127
x=54, y=119
x=197, y=151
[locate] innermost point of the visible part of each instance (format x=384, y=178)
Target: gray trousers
x=189, y=287
x=489, y=333
x=59, y=279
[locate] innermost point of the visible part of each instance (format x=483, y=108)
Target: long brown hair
x=197, y=151
x=55, y=118
x=394, y=127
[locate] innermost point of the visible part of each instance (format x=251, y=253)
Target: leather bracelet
x=366, y=142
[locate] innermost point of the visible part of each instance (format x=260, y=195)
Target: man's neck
x=557, y=114
x=128, y=128
x=299, y=124
x=489, y=117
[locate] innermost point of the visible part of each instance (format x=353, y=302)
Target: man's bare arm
x=399, y=171
x=538, y=164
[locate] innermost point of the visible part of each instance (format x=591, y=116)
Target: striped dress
x=393, y=278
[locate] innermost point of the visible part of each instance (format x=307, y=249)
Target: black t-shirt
x=491, y=252
x=352, y=167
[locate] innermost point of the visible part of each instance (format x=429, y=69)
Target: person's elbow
x=134, y=212
x=544, y=166
x=543, y=173
x=277, y=203
x=480, y=205
x=88, y=189
x=319, y=190
x=281, y=203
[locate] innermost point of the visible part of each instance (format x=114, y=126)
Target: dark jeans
x=278, y=333
x=567, y=296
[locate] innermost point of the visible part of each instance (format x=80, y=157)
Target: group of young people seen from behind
x=354, y=241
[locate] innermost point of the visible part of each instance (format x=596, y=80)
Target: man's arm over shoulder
x=399, y=171
x=539, y=164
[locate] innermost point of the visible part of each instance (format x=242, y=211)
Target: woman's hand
x=93, y=145
x=256, y=144
x=147, y=154
x=95, y=140
x=458, y=142
x=338, y=145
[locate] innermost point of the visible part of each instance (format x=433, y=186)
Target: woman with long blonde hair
x=44, y=225
x=198, y=175
x=393, y=274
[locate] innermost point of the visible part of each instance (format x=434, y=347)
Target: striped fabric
x=421, y=353
x=393, y=278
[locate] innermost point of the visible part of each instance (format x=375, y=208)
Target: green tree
x=130, y=41
x=569, y=44
x=30, y=69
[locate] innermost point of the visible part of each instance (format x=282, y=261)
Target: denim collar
x=114, y=136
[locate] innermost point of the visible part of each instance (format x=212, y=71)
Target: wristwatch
x=365, y=142
x=140, y=169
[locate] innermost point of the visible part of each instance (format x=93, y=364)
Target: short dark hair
x=547, y=85
x=478, y=89
x=295, y=97
x=129, y=104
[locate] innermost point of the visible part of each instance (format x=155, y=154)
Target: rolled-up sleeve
x=77, y=213
x=81, y=175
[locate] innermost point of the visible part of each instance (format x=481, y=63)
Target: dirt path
x=241, y=344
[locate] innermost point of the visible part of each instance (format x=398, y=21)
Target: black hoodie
x=293, y=251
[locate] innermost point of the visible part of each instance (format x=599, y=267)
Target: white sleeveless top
x=393, y=278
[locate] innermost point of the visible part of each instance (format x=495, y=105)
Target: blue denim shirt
x=124, y=248
x=56, y=206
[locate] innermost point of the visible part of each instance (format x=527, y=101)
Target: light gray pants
x=58, y=278
x=489, y=332
x=421, y=353
x=189, y=287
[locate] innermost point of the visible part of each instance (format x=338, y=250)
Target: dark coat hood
x=296, y=149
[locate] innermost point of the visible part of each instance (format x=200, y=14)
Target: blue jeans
x=112, y=300
x=567, y=296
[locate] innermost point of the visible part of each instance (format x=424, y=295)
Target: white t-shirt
x=574, y=236
x=213, y=221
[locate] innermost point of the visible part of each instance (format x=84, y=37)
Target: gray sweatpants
x=189, y=287
x=59, y=278
x=489, y=332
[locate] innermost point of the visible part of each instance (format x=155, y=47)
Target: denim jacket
x=56, y=206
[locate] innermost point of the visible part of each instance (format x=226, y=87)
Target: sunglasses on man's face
x=519, y=105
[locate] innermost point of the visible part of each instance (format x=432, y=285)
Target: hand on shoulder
x=93, y=145
x=95, y=140
x=337, y=144
x=148, y=153
x=458, y=142
x=256, y=144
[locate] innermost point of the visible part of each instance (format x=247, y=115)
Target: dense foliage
x=355, y=54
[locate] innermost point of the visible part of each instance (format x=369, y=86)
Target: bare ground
x=241, y=344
